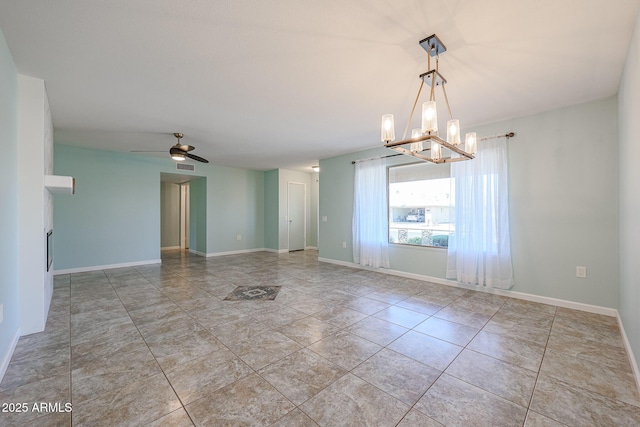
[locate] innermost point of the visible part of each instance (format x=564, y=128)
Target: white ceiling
x=283, y=83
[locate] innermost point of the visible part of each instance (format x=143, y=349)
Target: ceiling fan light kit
x=180, y=152
x=177, y=153
x=426, y=138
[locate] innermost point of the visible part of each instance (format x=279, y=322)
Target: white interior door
x=296, y=216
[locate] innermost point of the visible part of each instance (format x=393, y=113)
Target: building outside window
x=421, y=210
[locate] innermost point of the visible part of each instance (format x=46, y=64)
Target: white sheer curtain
x=480, y=251
x=370, y=210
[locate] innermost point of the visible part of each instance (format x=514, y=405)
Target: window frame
x=389, y=213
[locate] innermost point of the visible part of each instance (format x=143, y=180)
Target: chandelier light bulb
x=471, y=143
x=429, y=117
x=416, y=146
x=453, y=131
x=436, y=150
x=387, y=131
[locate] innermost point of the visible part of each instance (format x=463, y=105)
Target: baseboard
x=310, y=247
x=241, y=251
x=169, y=248
x=632, y=358
x=193, y=251
x=276, y=251
x=512, y=294
x=7, y=356
x=105, y=267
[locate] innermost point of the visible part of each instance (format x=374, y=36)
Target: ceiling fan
x=179, y=152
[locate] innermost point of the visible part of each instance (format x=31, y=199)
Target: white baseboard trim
x=512, y=294
x=276, y=251
x=241, y=251
x=105, y=267
x=193, y=251
x=310, y=247
x=168, y=248
x=7, y=356
x=627, y=346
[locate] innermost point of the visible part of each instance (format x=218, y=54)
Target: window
x=421, y=208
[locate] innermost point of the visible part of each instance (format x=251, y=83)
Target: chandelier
x=425, y=142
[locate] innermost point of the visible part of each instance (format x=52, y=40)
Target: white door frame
x=304, y=205
x=184, y=218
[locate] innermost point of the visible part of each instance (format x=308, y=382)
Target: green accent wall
x=312, y=227
x=563, y=203
x=198, y=215
x=271, y=201
x=276, y=190
x=114, y=217
x=235, y=206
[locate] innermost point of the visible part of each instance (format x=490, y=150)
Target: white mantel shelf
x=60, y=184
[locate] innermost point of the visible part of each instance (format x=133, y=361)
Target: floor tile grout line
x=579, y=387
x=70, y=358
x=413, y=329
x=411, y=407
x=443, y=371
x=383, y=347
x=255, y=371
x=271, y=328
x=535, y=385
x=465, y=348
x=152, y=355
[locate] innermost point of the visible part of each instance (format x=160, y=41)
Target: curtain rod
x=486, y=138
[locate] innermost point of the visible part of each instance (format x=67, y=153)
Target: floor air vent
x=185, y=167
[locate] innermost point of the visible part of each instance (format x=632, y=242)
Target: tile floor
x=157, y=345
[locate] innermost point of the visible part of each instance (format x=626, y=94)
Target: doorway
x=183, y=213
x=297, y=215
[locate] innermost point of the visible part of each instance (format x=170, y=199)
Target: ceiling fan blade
x=198, y=158
x=187, y=147
x=147, y=151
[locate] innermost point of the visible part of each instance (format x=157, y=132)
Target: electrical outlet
x=324, y=218
x=239, y=237
x=581, y=272
x=344, y=245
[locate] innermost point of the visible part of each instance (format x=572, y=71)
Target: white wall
x=35, y=142
x=9, y=327
x=48, y=197
x=629, y=179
